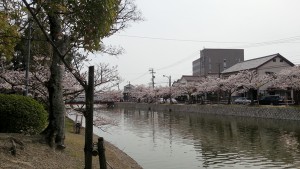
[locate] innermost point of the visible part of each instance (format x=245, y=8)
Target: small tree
x=187, y=89
x=231, y=85
x=289, y=79
x=208, y=85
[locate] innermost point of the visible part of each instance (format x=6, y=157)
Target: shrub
x=21, y=114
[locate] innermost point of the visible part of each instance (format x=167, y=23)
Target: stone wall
x=273, y=112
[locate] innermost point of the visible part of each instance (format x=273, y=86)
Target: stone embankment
x=272, y=112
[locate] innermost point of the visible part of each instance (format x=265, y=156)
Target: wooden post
x=81, y=120
x=101, y=151
x=74, y=127
x=89, y=101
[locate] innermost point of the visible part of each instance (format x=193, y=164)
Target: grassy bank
x=36, y=154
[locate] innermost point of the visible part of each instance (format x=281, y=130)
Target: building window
x=281, y=60
x=224, y=64
x=274, y=60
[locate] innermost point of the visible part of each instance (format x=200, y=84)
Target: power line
x=180, y=40
x=139, y=77
x=166, y=67
x=248, y=44
x=179, y=62
x=278, y=41
x=272, y=42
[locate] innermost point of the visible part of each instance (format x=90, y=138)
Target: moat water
x=169, y=140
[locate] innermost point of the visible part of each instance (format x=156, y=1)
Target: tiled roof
x=190, y=78
x=250, y=64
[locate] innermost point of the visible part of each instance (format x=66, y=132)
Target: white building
x=270, y=64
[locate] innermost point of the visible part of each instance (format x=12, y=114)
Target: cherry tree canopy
x=288, y=78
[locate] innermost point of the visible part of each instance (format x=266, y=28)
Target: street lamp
x=169, y=77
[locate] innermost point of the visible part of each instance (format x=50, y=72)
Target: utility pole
x=219, y=70
x=219, y=74
x=170, y=92
x=28, y=57
x=118, y=83
x=152, y=73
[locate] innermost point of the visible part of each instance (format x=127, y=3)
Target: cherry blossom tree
x=140, y=92
x=163, y=92
x=187, y=89
x=209, y=84
x=69, y=25
x=289, y=79
x=251, y=81
x=232, y=84
x=148, y=94
x=12, y=80
x=111, y=95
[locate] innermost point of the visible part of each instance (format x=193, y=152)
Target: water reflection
x=189, y=140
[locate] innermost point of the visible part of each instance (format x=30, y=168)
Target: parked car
x=242, y=100
x=271, y=100
x=174, y=101
x=161, y=100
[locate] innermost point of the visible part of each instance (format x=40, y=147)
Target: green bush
x=21, y=114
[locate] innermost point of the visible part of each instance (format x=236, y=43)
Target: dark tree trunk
x=229, y=97
x=251, y=91
x=229, y=100
x=297, y=97
x=55, y=131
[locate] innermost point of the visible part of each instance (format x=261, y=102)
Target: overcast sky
x=174, y=32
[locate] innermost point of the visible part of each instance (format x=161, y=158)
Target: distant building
x=214, y=61
x=187, y=82
x=270, y=64
x=263, y=65
x=187, y=79
x=127, y=92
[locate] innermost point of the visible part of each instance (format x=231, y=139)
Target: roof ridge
x=191, y=75
x=223, y=49
x=260, y=57
x=251, y=63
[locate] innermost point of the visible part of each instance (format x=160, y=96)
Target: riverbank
x=271, y=112
x=34, y=153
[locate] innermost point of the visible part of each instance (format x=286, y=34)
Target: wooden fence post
x=101, y=151
x=89, y=100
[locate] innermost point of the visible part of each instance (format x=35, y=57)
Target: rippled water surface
x=168, y=140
